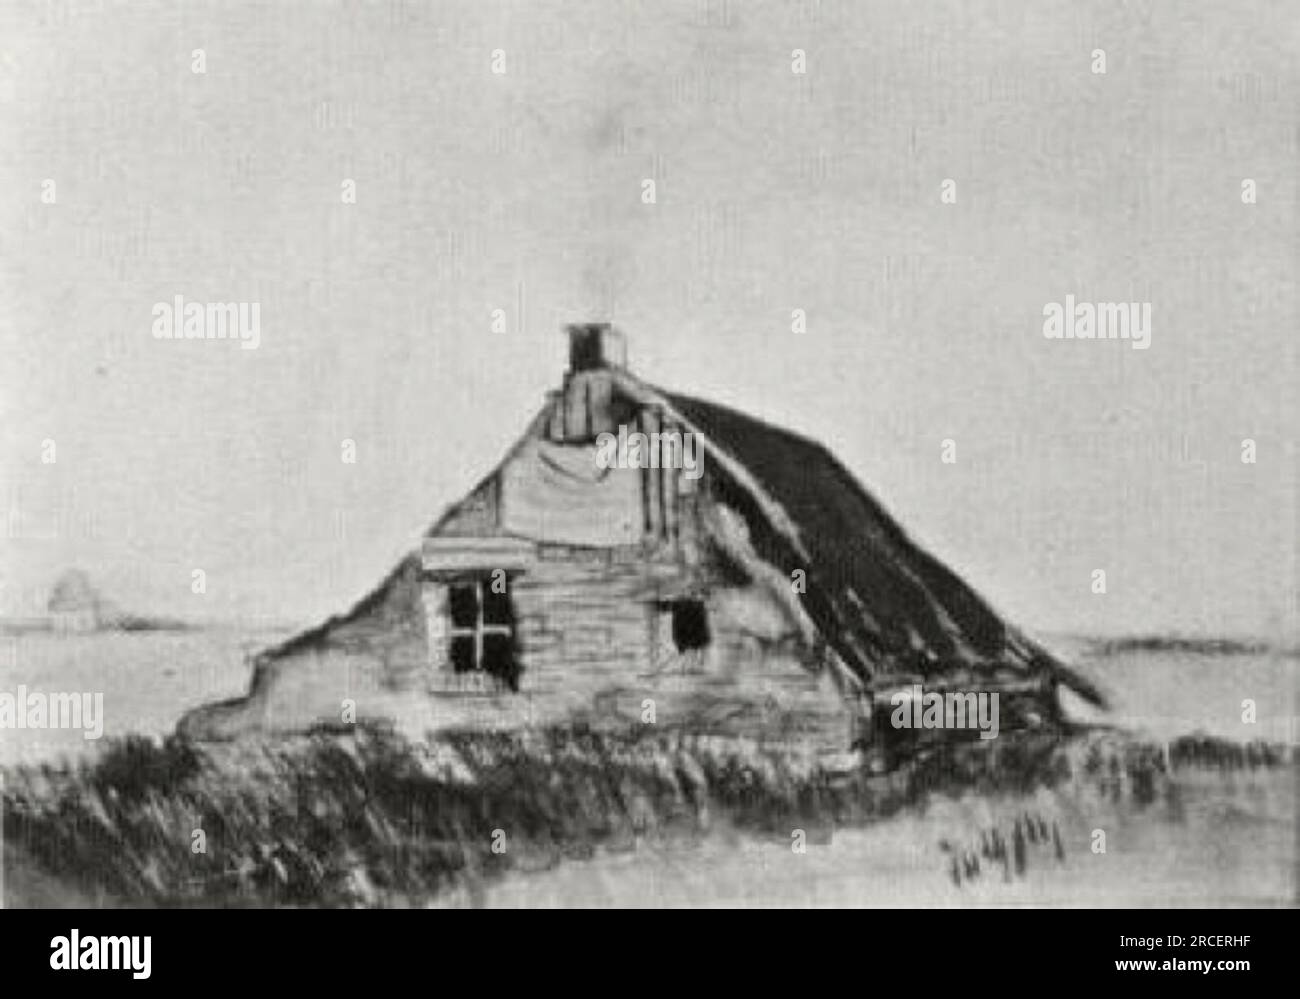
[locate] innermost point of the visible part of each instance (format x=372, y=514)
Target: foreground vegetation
x=368, y=818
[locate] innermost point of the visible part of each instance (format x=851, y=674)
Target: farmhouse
x=768, y=594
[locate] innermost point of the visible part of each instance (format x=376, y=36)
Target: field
x=148, y=680
x=1185, y=822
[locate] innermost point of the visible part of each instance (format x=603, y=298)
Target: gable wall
x=591, y=630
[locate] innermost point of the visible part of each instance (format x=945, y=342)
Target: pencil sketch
x=649, y=455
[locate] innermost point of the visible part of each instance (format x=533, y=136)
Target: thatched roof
x=882, y=601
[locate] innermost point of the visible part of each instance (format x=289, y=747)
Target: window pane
x=499, y=659
x=496, y=606
x=464, y=606
x=690, y=625
x=462, y=654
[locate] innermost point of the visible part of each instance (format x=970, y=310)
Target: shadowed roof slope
x=882, y=601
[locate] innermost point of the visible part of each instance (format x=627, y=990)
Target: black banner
x=1223, y=949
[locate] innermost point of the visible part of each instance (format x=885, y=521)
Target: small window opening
x=690, y=625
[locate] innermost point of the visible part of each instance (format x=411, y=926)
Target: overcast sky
x=774, y=191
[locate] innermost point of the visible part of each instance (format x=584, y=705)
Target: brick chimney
x=584, y=407
x=593, y=346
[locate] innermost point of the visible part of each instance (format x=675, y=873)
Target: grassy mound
x=369, y=819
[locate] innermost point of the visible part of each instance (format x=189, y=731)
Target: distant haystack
x=74, y=605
